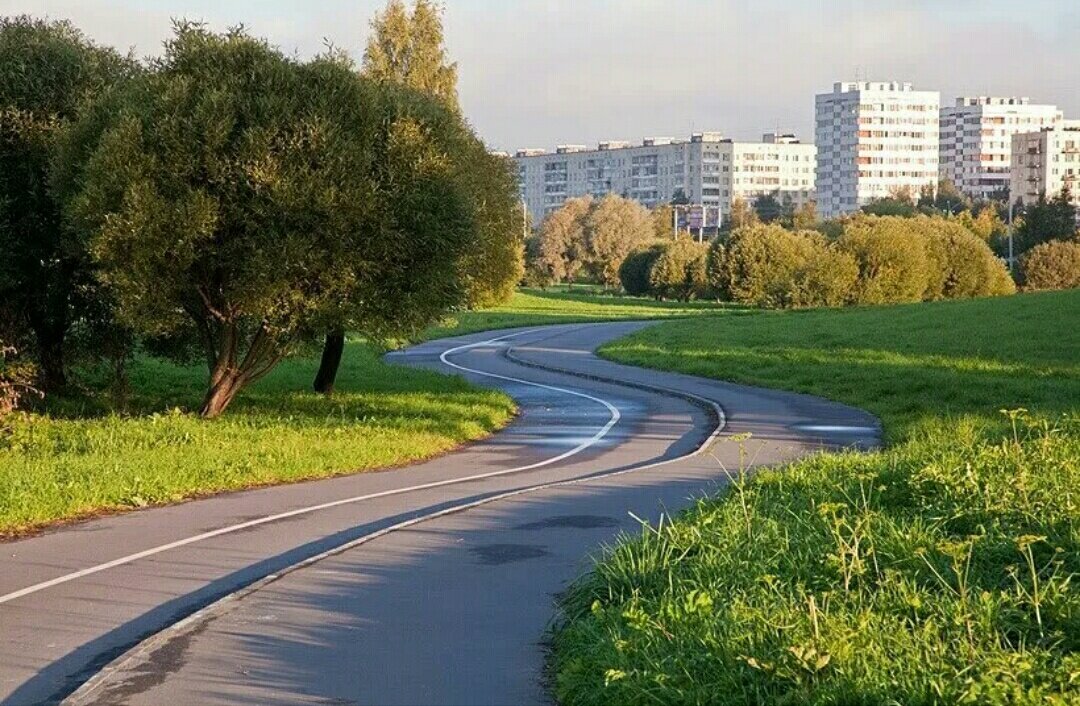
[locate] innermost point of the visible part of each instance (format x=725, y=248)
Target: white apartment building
x=976, y=140
x=1045, y=162
x=707, y=169
x=874, y=139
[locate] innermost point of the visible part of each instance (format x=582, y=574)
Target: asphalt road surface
x=431, y=584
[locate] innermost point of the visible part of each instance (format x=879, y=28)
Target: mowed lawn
x=80, y=458
x=942, y=570
x=557, y=305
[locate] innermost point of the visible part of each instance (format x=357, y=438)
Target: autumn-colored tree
x=679, y=271
x=614, y=227
x=742, y=215
x=406, y=48
x=559, y=251
x=1052, y=265
x=663, y=219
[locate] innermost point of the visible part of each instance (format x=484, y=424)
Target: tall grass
x=941, y=570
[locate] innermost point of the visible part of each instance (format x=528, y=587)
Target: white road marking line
x=615, y=416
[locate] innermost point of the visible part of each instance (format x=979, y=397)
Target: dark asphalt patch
x=496, y=554
x=571, y=522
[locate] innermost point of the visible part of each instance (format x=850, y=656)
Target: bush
x=962, y=264
x=634, y=270
x=1052, y=265
x=891, y=256
x=828, y=278
x=760, y=265
x=772, y=267
x=679, y=271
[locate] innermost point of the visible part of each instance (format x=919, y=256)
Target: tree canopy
x=236, y=197
x=47, y=72
x=406, y=48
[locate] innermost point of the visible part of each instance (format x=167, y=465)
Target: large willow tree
x=235, y=198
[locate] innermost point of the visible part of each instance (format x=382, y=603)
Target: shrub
x=634, y=271
x=760, y=265
x=828, y=277
x=962, y=264
x=892, y=259
x=679, y=271
x=16, y=382
x=1052, y=265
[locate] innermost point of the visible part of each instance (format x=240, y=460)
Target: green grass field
x=535, y=307
x=80, y=459
x=942, y=570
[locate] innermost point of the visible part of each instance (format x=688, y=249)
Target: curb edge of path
x=144, y=651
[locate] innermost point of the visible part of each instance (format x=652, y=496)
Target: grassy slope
x=80, y=461
x=942, y=570
x=907, y=364
x=534, y=307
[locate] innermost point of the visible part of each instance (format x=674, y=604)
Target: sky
x=536, y=73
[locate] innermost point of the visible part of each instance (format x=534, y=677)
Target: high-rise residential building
x=976, y=140
x=1045, y=162
x=874, y=139
x=706, y=169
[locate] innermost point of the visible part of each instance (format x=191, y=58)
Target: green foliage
x=407, y=49
x=941, y=570
x=762, y=263
x=494, y=261
x=804, y=217
x=827, y=277
x=742, y=215
x=634, y=271
x=715, y=267
x=768, y=208
x=892, y=259
x=962, y=263
x=1046, y=220
x=1052, y=265
x=678, y=272
x=590, y=235
x=47, y=71
x=219, y=198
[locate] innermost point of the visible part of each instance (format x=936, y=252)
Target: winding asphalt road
x=431, y=584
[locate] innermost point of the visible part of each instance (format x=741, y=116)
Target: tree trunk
x=50, y=355
x=333, y=349
x=221, y=393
